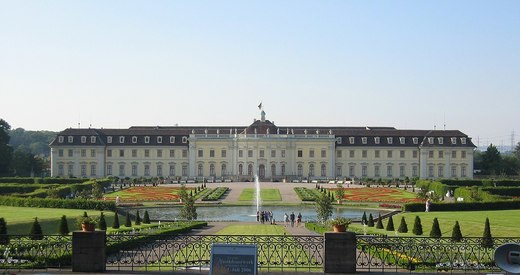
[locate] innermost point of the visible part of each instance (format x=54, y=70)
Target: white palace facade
x=263, y=149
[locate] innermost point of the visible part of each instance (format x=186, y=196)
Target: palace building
x=237, y=153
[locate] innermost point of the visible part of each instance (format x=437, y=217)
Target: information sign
x=233, y=259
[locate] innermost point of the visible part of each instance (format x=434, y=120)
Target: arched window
x=223, y=170
x=300, y=170
x=323, y=170
x=273, y=170
x=212, y=170
x=311, y=170
x=283, y=169
x=199, y=170
x=240, y=169
x=250, y=169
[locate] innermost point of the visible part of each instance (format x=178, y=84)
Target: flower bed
x=379, y=195
x=147, y=193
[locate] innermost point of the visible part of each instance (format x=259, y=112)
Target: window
x=184, y=139
x=402, y=140
x=339, y=140
x=184, y=153
x=109, y=139
x=377, y=140
x=83, y=170
x=389, y=154
x=250, y=169
x=377, y=173
x=109, y=153
x=134, y=153
x=109, y=169
x=453, y=140
x=453, y=154
x=364, y=140
x=70, y=169
x=146, y=153
x=440, y=171
x=311, y=153
x=212, y=170
x=121, y=170
x=441, y=154
x=430, y=171
x=60, y=139
x=223, y=153
x=415, y=140
x=414, y=154
x=430, y=154
x=339, y=171
x=300, y=170
x=376, y=154
x=184, y=170
x=414, y=171
x=351, y=140
x=71, y=139
x=211, y=153
x=240, y=169
x=463, y=171
x=199, y=170
x=401, y=171
x=283, y=153
x=351, y=171
x=134, y=170
x=463, y=154
x=262, y=153
x=402, y=154
x=430, y=140
x=351, y=153
x=200, y=153
x=390, y=140
x=364, y=153
x=454, y=171
x=364, y=169
x=240, y=153
x=122, y=139
x=172, y=153
x=273, y=153
x=249, y=153
x=60, y=153
x=283, y=169
x=389, y=171
x=323, y=153
x=83, y=153
x=159, y=139
x=71, y=153
x=147, y=170
x=223, y=169
x=93, y=170
x=172, y=170
x=273, y=170
x=172, y=139
x=311, y=170
x=92, y=139
x=339, y=154
x=121, y=153
x=300, y=153
x=159, y=153
x=93, y=153
x=463, y=140
x=147, y=139
x=159, y=170
x=440, y=140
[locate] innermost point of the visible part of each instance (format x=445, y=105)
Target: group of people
x=268, y=217
x=265, y=216
x=292, y=218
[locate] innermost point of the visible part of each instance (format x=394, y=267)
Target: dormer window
x=364, y=140
x=463, y=140
x=430, y=140
x=402, y=140
x=377, y=140
x=184, y=139
x=440, y=140
x=71, y=139
x=60, y=139
x=134, y=139
x=351, y=140
x=159, y=139
x=146, y=139
x=92, y=139
x=109, y=139
x=121, y=139
x=453, y=140
x=339, y=140
x=390, y=140
x=415, y=140
x=172, y=139
x=83, y=139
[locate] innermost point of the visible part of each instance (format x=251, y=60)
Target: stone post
x=340, y=252
x=88, y=251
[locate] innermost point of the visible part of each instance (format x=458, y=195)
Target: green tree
x=403, y=227
x=379, y=224
x=63, y=227
x=417, y=226
x=436, y=230
x=146, y=218
x=128, y=220
x=137, y=218
x=36, y=230
x=370, y=220
x=183, y=194
x=97, y=190
x=390, y=224
x=6, y=151
x=364, y=218
x=340, y=193
x=491, y=161
x=4, y=238
x=102, y=225
x=487, y=239
x=456, y=235
x=115, y=224
x=323, y=207
x=188, y=210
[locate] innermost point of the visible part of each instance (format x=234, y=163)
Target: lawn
x=266, y=194
x=252, y=229
x=504, y=223
x=148, y=193
x=379, y=195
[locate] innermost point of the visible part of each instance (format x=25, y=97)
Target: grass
x=266, y=194
x=252, y=229
x=504, y=223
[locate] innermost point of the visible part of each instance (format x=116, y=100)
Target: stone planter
x=88, y=227
x=339, y=228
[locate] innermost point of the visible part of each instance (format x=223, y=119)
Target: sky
x=405, y=64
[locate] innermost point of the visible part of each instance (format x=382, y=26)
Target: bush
x=305, y=194
x=465, y=206
x=102, y=222
x=379, y=224
x=36, y=231
x=390, y=224
x=63, y=227
x=137, y=218
x=417, y=227
x=4, y=238
x=456, y=235
x=487, y=239
x=370, y=220
x=128, y=220
x=215, y=194
x=436, y=230
x=115, y=224
x=146, y=218
x=364, y=218
x=57, y=203
x=403, y=227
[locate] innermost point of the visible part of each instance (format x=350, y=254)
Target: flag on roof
x=260, y=106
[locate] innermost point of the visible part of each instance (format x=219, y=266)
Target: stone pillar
x=340, y=252
x=88, y=251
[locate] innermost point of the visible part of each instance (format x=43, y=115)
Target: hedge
x=438, y=187
x=305, y=194
x=215, y=194
x=503, y=191
x=464, y=206
x=58, y=203
x=468, y=194
x=484, y=183
x=42, y=180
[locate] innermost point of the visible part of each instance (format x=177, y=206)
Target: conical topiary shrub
x=370, y=220
x=456, y=235
x=4, y=238
x=36, y=230
x=128, y=220
x=364, y=218
x=63, y=227
x=436, y=230
x=403, y=227
x=137, y=218
x=102, y=225
x=115, y=224
x=417, y=227
x=379, y=224
x=390, y=224
x=146, y=218
x=487, y=239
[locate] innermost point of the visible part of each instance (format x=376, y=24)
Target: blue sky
x=407, y=64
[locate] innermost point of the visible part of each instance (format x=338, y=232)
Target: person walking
x=292, y=219
x=299, y=220
x=285, y=219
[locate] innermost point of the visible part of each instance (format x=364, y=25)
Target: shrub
x=465, y=206
x=379, y=224
x=390, y=224
x=305, y=194
x=215, y=194
x=436, y=230
x=128, y=220
x=102, y=222
x=63, y=227
x=137, y=218
x=403, y=227
x=487, y=239
x=146, y=218
x=370, y=220
x=4, y=238
x=417, y=226
x=36, y=230
x=364, y=218
x=115, y=224
x=57, y=203
x=456, y=235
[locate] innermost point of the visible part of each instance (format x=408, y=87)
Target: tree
x=115, y=224
x=340, y=193
x=183, y=195
x=36, y=230
x=97, y=190
x=417, y=226
x=403, y=227
x=436, y=230
x=146, y=218
x=4, y=238
x=137, y=218
x=491, y=161
x=323, y=207
x=487, y=239
x=63, y=227
x=370, y=220
x=379, y=224
x=6, y=151
x=128, y=220
x=390, y=224
x=102, y=222
x=456, y=235
x=188, y=211
x=364, y=218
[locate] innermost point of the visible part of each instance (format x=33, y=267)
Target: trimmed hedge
x=42, y=180
x=469, y=194
x=465, y=206
x=438, y=187
x=57, y=203
x=305, y=194
x=503, y=191
x=215, y=194
x=484, y=183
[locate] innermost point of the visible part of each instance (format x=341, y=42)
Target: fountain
x=257, y=185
